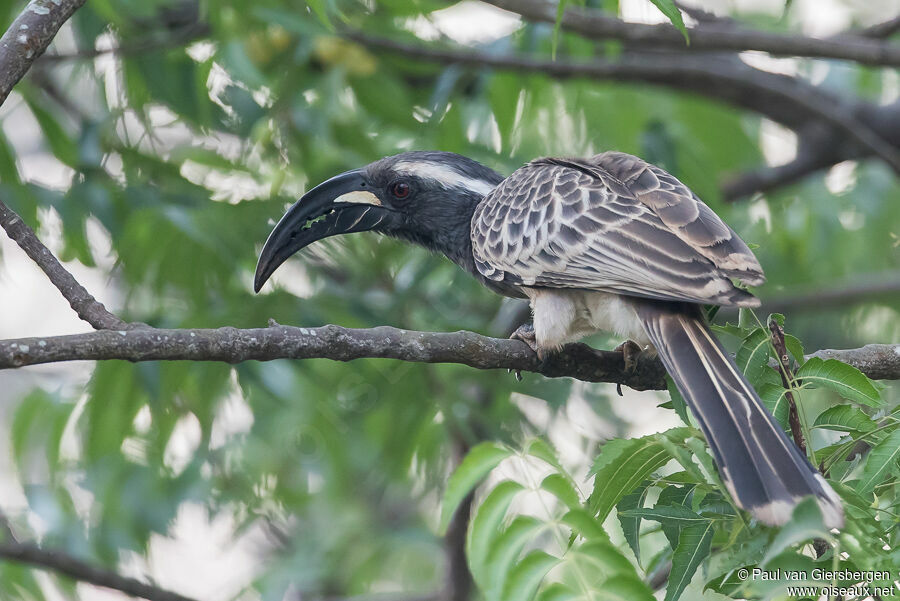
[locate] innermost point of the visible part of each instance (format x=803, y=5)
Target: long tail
x=765, y=472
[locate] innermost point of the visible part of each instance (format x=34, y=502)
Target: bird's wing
x=612, y=223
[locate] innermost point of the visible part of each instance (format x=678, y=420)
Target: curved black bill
x=340, y=205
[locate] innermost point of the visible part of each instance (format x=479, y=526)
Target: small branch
x=83, y=572
x=765, y=179
x=28, y=37
x=707, y=36
x=180, y=38
x=881, y=30
x=86, y=306
x=886, y=287
x=787, y=376
x=711, y=76
x=878, y=361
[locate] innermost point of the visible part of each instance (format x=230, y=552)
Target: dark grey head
x=426, y=197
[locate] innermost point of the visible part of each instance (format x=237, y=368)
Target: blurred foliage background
x=162, y=167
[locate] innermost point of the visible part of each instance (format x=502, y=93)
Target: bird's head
x=425, y=197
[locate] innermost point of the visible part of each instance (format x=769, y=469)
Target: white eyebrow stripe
x=445, y=176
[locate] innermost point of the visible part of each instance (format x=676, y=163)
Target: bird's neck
x=449, y=232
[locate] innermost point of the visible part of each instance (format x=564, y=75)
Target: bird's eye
x=400, y=189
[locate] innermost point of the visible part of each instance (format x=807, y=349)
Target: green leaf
x=753, y=355
x=845, y=418
x=693, y=548
x=584, y=524
x=677, y=401
x=775, y=399
x=882, y=460
x=476, y=465
x=677, y=515
x=668, y=8
x=524, y=579
x=60, y=142
x=560, y=487
x=485, y=525
x=621, y=466
x=505, y=550
x=318, y=7
x=844, y=379
x=631, y=525
x=805, y=524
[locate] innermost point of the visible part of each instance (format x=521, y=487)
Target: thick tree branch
x=81, y=571
x=28, y=37
x=86, y=306
x=708, y=35
x=232, y=345
x=878, y=361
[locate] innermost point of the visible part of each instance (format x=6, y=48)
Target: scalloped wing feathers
x=613, y=223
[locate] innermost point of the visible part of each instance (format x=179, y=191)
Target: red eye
x=400, y=189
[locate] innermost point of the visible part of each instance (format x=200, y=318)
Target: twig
x=77, y=569
x=28, y=37
x=707, y=36
x=183, y=37
x=25, y=40
x=886, y=287
x=881, y=30
x=764, y=179
x=86, y=306
x=787, y=376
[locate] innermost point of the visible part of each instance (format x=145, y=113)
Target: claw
x=630, y=350
x=525, y=333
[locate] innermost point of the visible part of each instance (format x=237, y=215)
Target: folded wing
x=611, y=223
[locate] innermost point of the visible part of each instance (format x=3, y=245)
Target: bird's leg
x=630, y=350
x=526, y=334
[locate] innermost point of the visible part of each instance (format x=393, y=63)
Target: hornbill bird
x=607, y=243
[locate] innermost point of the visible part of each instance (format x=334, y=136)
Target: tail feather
x=763, y=470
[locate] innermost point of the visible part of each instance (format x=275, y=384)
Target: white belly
x=562, y=316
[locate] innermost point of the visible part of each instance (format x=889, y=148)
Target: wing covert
x=574, y=224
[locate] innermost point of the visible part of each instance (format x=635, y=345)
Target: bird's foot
x=630, y=350
x=525, y=333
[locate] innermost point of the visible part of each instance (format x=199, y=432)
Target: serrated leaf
x=693, y=548
x=844, y=379
x=668, y=8
x=585, y=525
x=805, y=524
x=753, y=355
x=557, y=591
x=476, y=465
x=504, y=551
x=845, y=418
x=620, y=467
x=882, y=460
x=775, y=399
x=677, y=515
x=631, y=525
x=561, y=488
x=485, y=525
x=678, y=403
x=626, y=588
x=524, y=579
x=795, y=348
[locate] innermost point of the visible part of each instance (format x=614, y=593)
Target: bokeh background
x=156, y=172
